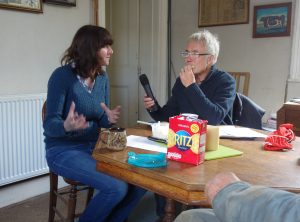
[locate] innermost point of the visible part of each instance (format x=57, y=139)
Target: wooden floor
x=36, y=210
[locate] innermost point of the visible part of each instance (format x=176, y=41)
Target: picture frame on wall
x=62, y=2
x=222, y=12
x=28, y=6
x=272, y=20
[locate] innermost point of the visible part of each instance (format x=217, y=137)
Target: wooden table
x=185, y=183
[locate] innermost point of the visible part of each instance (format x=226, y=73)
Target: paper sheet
x=143, y=143
x=239, y=132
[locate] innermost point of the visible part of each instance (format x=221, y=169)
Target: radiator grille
x=22, y=149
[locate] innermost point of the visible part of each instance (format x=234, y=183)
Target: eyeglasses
x=193, y=54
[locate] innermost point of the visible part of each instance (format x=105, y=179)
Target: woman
x=77, y=106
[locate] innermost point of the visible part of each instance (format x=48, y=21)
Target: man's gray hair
x=210, y=41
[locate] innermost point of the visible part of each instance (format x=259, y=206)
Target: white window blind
x=295, y=57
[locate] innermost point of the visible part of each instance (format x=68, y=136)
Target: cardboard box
x=186, y=139
x=290, y=113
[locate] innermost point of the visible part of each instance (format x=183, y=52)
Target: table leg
x=169, y=211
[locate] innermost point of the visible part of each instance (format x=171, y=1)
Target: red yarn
x=280, y=139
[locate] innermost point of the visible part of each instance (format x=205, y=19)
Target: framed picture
x=30, y=6
x=222, y=12
x=62, y=2
x=272, y=20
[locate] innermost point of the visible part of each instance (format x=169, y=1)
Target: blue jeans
x=160, y=205
x=115, y=198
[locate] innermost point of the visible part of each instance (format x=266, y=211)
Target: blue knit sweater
x=63, y=88
x=212, y=100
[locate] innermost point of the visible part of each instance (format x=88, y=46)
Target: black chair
x=68, y=196
x=246, y=112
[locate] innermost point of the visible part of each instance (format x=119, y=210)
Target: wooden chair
x=242, y=81
x=68, y=196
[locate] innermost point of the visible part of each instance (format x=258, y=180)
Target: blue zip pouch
x=147, y=160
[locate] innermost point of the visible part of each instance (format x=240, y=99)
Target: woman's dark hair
x=83, y=50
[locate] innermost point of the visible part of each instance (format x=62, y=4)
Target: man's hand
x=74, y=121
x=113, y=115
x=220, y=181
x=148, y=102
x=187, y=76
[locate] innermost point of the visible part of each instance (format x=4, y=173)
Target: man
x=236, y=201
x=201, y=88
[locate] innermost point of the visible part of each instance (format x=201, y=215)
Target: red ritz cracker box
x=186, y=139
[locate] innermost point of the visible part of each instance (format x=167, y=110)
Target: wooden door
x=139, y=31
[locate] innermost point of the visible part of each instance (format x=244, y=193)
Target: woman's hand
x=113, y=115
x=75, y=121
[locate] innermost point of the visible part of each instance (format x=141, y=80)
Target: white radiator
x=22, y=149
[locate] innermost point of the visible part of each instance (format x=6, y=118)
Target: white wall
x=267, y=59
x=31, y=45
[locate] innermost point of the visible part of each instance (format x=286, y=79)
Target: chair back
x=246, y=112
x=242, y=80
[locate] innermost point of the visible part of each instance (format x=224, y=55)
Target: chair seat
x=72, y=182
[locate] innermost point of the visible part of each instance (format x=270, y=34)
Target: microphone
x=145, y=83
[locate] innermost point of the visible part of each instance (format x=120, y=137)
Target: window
x=295, y=56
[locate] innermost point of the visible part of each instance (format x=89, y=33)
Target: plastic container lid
x=147, y=160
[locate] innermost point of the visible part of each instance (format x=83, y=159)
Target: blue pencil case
x=147, y=160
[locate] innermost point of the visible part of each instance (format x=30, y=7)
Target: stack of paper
x=232, y=132
x=146, y=144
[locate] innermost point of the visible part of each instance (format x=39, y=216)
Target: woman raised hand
x=113, y=115
x=74, y=121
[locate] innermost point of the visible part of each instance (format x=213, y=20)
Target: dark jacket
x=246, y=112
